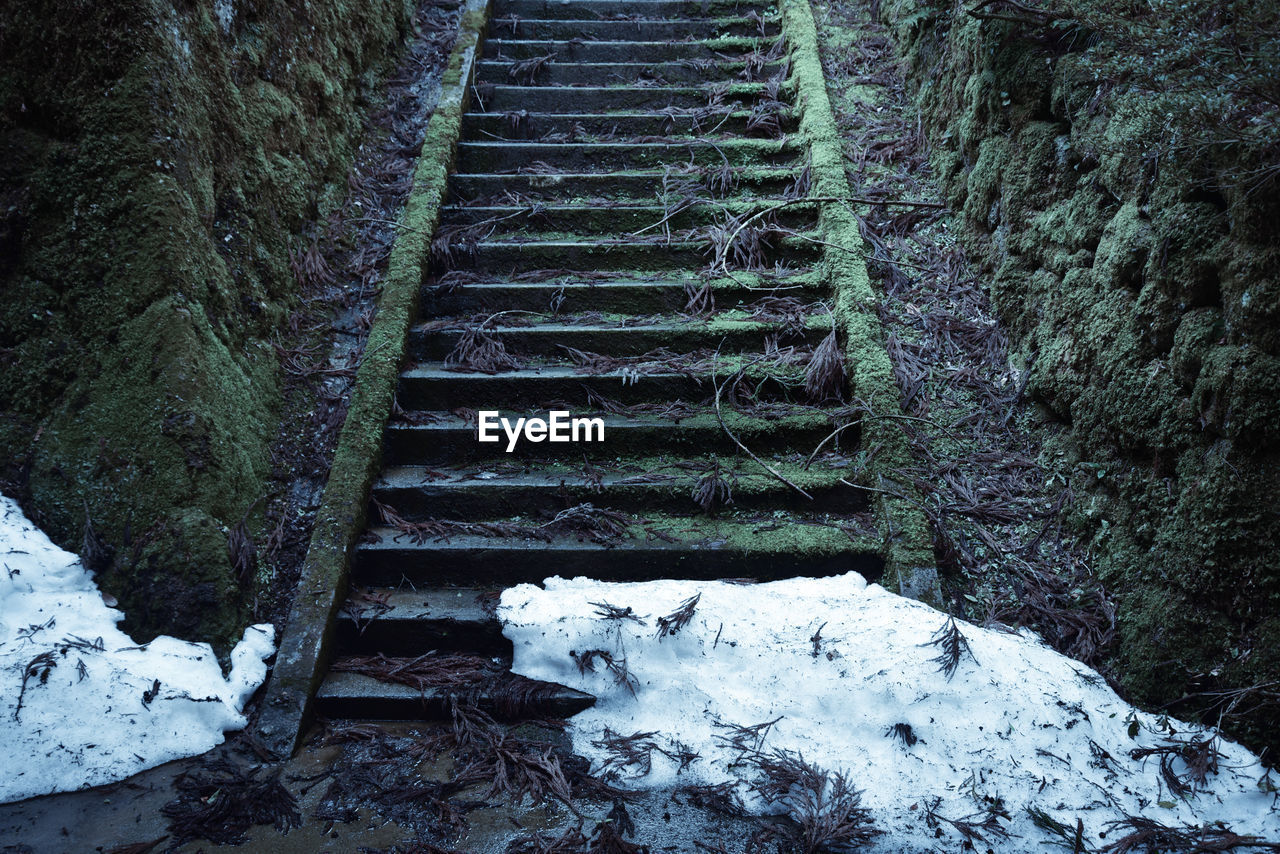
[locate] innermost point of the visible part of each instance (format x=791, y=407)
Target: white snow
x=1023, y=724
x=87, y=714
x=225, y=12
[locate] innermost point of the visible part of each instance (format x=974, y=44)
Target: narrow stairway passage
x=628, y=238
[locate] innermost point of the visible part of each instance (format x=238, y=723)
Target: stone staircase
x=626, y=239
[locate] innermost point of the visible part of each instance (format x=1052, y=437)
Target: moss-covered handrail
x=306, y=642
x=910, y=567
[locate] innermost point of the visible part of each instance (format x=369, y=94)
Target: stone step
x=561, y=73
x=404, y=621
x=644, y=296
x=605, y=253
x=433, y=386
x=757, y=548
x=630, y=185
x=636, y=29
x=355, y=695
x=504, y=97
x=600, y=9
x=681, y=212
x=437, y=438
x=643, y=485
x=730, y=48
x=510, y=155
x=555, y=337
x=674, y=125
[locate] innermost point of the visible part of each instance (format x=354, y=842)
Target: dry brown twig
x=679, y=618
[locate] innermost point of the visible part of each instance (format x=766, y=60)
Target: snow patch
x=840, y=664
x=83, y=704
x=225, y=12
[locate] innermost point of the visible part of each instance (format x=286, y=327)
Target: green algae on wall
x=1130, y=233
x=155, y=160
x=909, y=564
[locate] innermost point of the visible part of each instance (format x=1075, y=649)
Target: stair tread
x=765, y=544
x=700, y=419
x=660, y=475
x=592, y=279
x=617, y=184
x=346, y=693
x=616, y=50
x=642, y=284
x=633, y=19
x=755, y=204
x=656, y=172
x=688, y=534
x=619, y=7
x=536, y=239
x=574, y=90
x=726, y=320
x=727, y=91
x=408, y=621
x=639, y=21
x=621, y=115
x=442, y=604
x=536, y=371
x=770, y=146
x=746, y=42
x=726, y=66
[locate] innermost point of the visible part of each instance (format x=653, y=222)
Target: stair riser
x=406, y=708
x=410, y=445
x=634, y=299
x=391, y=635
x=403, y=704
x=509, y=565
x=623, y=51
x=638, y=299
x=640, y=30
x=611, y=219
x=543, y=99
x=616, y=127
x=501, y=258
x=482, y=391
x=633, y=187
x=482, y=157
x=622, y=341
x=440, y=501
x=556, y=73
x=557, y=9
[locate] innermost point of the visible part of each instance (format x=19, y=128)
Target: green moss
x=305, y=646
x=909, y=544
x=749, y=533
x=1137, y=274
x=163, y=164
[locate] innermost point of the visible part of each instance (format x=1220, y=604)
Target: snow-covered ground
x=83, y=704
x=838, y=664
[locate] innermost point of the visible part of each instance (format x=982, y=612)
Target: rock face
x=156, y=159
x=1115, y=188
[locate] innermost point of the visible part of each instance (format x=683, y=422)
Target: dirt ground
x=333, y=804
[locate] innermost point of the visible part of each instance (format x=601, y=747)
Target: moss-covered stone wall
x=1119, y=200
x=158, y=161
